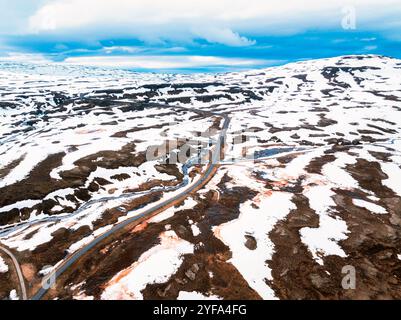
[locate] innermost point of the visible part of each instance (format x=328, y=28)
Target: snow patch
x=185, y=295
x=3, y=266
x=13, y=295
x=258, y=222
x=323, y=240
x=154, y=266
x=369, y=206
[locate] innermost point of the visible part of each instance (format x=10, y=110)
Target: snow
x=195, y=230
x=369, y=206
x=83, y=296
x=296, y=167
x=241, y=176
x=335, y=173
x=212, y=185
x=13, y=295
x=84, y=241
x=3, y=266
x=257, y=222
x=185, y=295
x=189, y=203
x=85, y=217
x=154, y=266
x=43, y=234
x=138, y=176
x=42, y=231
x=20, y=205
x=352, y=109
x=46, y=270
x=393, y=171
x=168, y=195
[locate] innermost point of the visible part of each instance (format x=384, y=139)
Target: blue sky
x=187, y=36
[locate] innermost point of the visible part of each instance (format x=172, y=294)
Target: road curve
x=19, y=272
x=4, y=231
x=215, y=159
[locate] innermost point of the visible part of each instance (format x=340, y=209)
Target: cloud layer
x=184, y=34
x=166, y=62
x=228, y=22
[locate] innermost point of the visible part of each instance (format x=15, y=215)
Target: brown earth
x=371, y=246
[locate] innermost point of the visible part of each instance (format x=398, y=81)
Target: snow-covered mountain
x=322, y=190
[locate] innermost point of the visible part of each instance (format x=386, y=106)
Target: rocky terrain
x=308, y=181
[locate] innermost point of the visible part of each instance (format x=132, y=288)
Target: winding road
x=12, y=228
x=148, y=213
x=206, y=176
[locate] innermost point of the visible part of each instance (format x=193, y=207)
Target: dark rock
x=250, y=242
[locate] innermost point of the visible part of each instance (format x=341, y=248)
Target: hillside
x=308, y=180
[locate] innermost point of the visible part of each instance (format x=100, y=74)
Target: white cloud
x=221, y=21
x=125, y=49
x=140, y=61
x=24, y=57
x=223, y=36
x=370, y=48
x=368, y=39
x=165, y=62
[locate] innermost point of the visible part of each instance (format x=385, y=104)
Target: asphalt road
x=5, y=231
x=215, y=159
x=19, y=272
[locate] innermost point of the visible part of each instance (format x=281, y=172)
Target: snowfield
x=3, y=266
x=310, y=179
x=128, y=284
